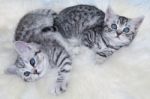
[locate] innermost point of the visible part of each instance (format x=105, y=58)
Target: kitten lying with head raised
x=39, y=50
x=103, y=33
x=38, y=47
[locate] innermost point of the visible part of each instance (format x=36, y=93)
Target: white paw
x=59, y=88
x=99, y=59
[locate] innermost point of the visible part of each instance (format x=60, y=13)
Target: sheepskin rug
x=125, y=75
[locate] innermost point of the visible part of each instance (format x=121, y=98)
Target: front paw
x=100, y=59
x=59, y=88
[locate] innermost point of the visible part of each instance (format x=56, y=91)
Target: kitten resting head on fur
x=31, y=63
x=119, y=31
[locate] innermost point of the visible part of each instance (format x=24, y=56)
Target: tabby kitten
x=38, y=48
x=104, y=33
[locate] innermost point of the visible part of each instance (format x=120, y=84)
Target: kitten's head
x=31, y=63
x=119, y=31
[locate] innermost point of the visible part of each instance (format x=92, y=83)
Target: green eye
x=114, y=26
x=126, y=30
x=32, y=61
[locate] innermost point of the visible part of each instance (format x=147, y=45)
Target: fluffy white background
x=125, y=75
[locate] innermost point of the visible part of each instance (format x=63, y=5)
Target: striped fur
x=35, y=35
x=72, y=21
x=37, y=38
x=92, y=27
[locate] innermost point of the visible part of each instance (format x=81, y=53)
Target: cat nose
x=36, y=72
x=118, y=33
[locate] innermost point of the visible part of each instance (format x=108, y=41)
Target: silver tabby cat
x=104, y=33
x=38, y=49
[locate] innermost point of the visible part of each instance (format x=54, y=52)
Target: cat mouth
x=37, y=73
x=118, y=37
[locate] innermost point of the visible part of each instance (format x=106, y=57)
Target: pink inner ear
x=22, y=47
x=138, y=21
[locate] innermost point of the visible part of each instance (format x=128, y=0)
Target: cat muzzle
x=36, y=72
x=118, y=34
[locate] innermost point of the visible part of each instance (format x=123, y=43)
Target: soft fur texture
x=38, y=48
x=125, y=75
x=45, y=52
x=23, y=68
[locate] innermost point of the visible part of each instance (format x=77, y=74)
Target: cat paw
x=99, y=60
x=59, y=88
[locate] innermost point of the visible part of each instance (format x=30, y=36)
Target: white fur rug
x=125, y=75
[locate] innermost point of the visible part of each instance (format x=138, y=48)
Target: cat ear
x=22, y=47
x=109, y=13
x=11, y=70
x=137, y=21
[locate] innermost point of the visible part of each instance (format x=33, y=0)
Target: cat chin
x=116, y=42
x=32, y=78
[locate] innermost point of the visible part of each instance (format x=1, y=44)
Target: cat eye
x=27, y=73
x=32, y=61
x=126, y=30
x=46, y=29
x=114, y=26
x=52, y=29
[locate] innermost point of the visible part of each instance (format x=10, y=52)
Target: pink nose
x=118, y=34
x=36, y=72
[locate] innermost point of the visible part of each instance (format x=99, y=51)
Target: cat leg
x=101, y=55
x=61, y=83
x=105, y=52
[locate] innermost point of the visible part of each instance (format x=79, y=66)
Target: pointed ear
x=109, y=13
x=137, y=21
x=22, y=47
x=11, y=70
